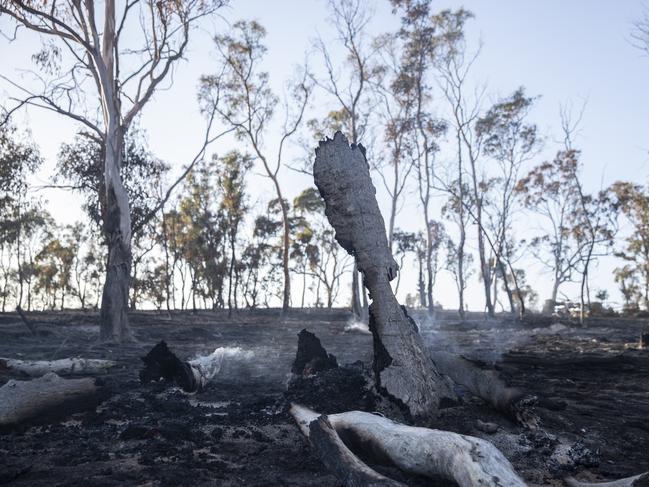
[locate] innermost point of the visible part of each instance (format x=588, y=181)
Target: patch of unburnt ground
x=592, y=384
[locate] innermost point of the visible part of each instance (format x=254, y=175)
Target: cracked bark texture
x=402, y=370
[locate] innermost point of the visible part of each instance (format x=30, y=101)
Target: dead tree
x=467, y=460
x=402, y=369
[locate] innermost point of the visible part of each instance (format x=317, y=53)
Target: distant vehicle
x=569, y=309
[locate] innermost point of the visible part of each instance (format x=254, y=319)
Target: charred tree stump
x=21, y=401
x=311, y=357
x=402, y=369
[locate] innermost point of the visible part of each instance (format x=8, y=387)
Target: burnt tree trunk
x=402, y=370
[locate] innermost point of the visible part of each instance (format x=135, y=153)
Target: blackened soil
x=592, y=384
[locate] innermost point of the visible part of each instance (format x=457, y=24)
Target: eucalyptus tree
x=80, y=168
x=304, y=251
x=459, y=208
x=511, y=141
x=405, y=243
x=632, y=201
x=201, y=236
x=120, y=80
x=424, y=37
x=463, y=182
x=231, y=179
x=241, y=95
x=55, y=262
x=257, y=258
x=350, y=85
x=395, y=115
x=19, y=157
x=550, y=191
x=327, y=262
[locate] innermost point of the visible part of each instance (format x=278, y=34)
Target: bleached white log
x=464, y=459
x=23, y=400
x=635, y=481
x=65, y=366
x=340, y=460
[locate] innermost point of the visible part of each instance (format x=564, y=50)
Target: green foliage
x=632, y=201
x=80, y=168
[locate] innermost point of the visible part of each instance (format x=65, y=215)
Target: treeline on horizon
x=201, y=243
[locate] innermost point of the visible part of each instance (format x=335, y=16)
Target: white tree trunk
x=636, y=481
x=467, y=460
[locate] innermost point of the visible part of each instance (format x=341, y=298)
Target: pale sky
x=563, y=50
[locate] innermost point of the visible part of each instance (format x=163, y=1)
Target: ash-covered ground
x=592, y=383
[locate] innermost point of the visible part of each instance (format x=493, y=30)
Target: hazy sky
x=562, y=50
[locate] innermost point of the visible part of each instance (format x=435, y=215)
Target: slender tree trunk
x=508, y=291
x=231, y=271
x=555, y=289
x=357, y=309
x=421, y=287
x=286, y=242
x=317, y=295
x=584, y=281
x=485, y=273
x=460, y=271
x=462, y=242
x=19, y=264
x=429, y=267
x=165, y=246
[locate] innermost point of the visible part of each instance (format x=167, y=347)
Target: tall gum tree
x=122, y=81
x=241, y=95
x=350, y=86
x=424, y=37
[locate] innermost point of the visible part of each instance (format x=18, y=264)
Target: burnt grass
x=592, y=385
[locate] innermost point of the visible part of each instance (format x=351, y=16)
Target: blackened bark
x=402, y=370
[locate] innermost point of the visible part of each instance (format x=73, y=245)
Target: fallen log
x=403, y=371
x=464, y=459
x=25, y=400
x=340, y=460
x=486, y=385
x=64, y=366
x=641, y=480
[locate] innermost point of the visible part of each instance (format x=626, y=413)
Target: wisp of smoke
x=225, y=363
x=357, y=326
